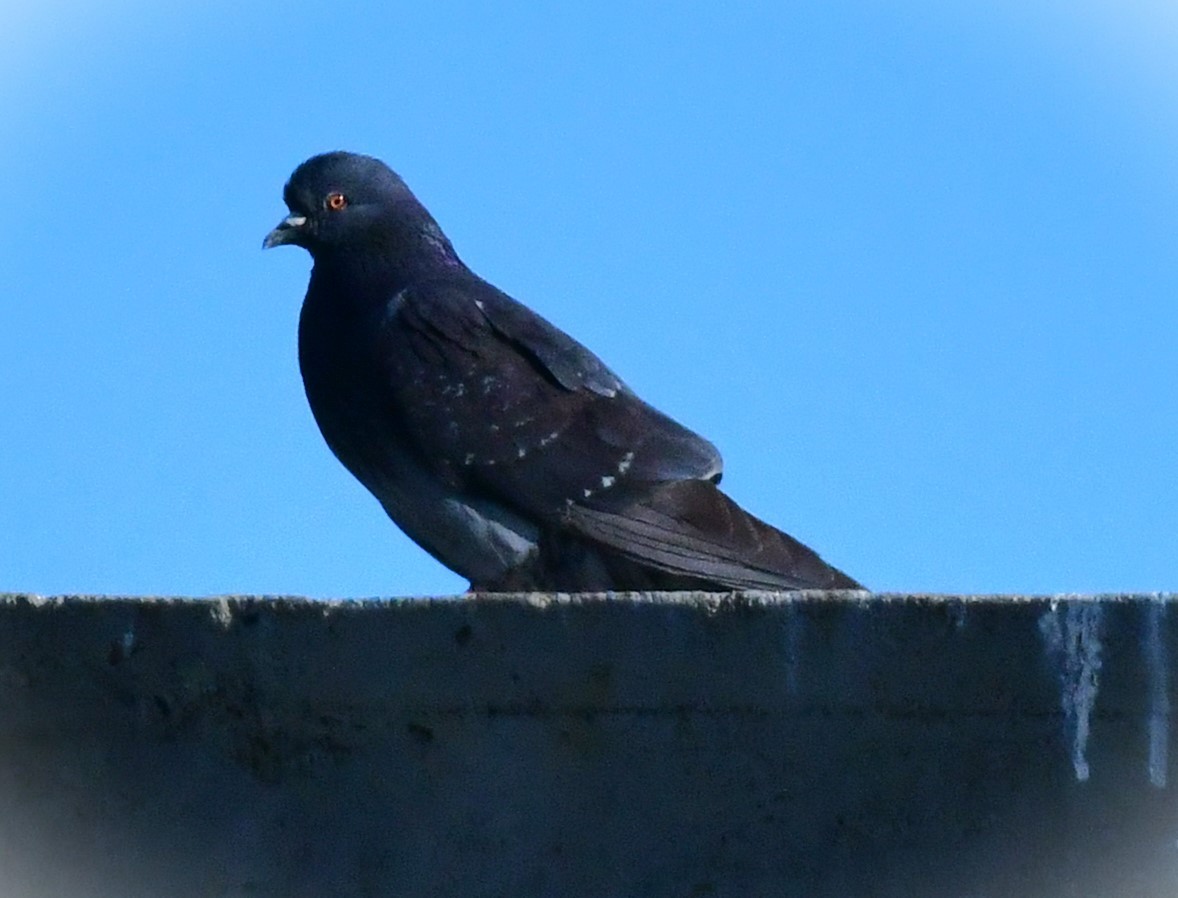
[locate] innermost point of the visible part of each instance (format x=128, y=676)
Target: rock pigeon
x=498, y=443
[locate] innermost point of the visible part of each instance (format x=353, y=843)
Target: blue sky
x=912, y=267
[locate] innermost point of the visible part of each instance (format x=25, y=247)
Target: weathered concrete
x=676, y=745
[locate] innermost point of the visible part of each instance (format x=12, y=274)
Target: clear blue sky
x=912, y=266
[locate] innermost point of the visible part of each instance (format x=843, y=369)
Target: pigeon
x=497, y=442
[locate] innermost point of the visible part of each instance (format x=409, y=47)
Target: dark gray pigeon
x=501, y=445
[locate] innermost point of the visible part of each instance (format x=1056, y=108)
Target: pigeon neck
x=381, y=269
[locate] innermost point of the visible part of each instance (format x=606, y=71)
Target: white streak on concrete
x=957, y=614
x=221, y=612
x=793, y=622
x=1157, y=664
x=1072, y=633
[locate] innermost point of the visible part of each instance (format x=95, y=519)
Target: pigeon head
x=346, y=202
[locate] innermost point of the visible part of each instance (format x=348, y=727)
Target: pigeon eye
x=336, y=201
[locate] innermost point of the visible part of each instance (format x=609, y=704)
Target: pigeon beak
x=288, y=231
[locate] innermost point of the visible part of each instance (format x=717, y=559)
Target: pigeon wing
x=500, y=401
x=507, y=406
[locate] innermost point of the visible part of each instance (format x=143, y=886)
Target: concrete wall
x=663, y=745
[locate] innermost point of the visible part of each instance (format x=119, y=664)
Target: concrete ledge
x=647, y=745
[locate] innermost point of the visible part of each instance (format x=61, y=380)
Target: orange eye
x=336, y=201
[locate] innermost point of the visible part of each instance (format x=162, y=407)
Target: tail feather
x=691, y=530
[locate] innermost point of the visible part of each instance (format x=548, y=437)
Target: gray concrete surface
x=664, y=745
